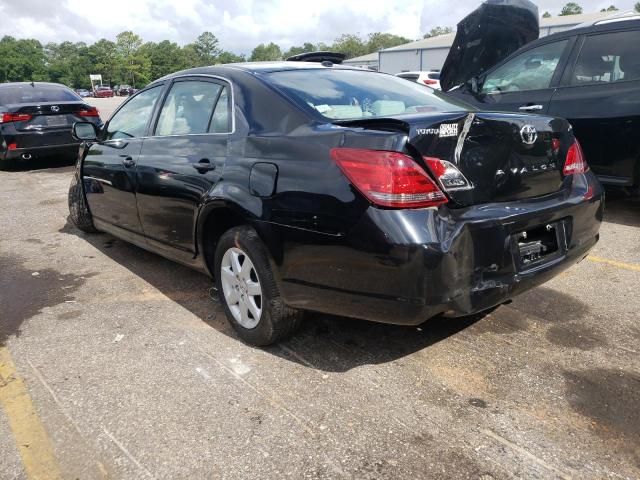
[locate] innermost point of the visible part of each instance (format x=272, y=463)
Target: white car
x=430, y=78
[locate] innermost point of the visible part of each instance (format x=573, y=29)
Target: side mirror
x=85, y=131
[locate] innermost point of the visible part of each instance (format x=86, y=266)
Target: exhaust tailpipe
x=26, y=156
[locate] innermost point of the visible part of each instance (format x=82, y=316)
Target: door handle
x=203, y=165
x=530, y=108
x=128, y=162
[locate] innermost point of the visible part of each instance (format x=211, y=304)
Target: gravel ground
x=135, y=373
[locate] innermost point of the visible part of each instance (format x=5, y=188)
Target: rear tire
x=248, y=289
x=78, y=208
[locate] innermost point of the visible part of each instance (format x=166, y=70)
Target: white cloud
x=240, y=24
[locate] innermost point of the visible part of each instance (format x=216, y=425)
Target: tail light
x=388, y=179
x=14, y=117
x=447, y=174
x=428, y=81
x=575, y=162
x=89, y=112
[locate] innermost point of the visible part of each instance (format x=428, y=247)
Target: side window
x=188, y=108
x=221, y=120
x=131, y=119
x=609, y=57
x=531, y=70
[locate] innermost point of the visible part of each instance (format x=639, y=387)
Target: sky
x=241, y=24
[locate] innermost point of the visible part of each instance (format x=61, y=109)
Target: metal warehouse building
x=430, y=53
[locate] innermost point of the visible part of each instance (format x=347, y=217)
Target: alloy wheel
x=241, y=287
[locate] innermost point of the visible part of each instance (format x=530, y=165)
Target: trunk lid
x=502, y=156
x=50, y=115
x=486, y=36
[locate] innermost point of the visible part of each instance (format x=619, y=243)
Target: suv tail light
x=447, y=174
x=14, y=117
x=89, y=112
x=428, y=81
x=388, y=179
x=575, y=162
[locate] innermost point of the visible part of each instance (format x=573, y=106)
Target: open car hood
x=490, y=33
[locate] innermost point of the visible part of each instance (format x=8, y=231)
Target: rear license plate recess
x=539, y=244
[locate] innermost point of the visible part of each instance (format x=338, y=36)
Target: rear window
x=349, y=94
x=434, y=76
x=34, y=94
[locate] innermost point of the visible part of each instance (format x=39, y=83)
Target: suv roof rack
x=320, y=56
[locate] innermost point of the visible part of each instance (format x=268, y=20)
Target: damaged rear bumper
x=405, y=266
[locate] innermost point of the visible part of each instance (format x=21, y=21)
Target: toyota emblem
x=528, y=134
x=55, y=108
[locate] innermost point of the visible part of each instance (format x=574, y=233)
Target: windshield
x=349, y=94
x=25, y=93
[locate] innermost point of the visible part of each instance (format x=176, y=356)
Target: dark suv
x=589, y=75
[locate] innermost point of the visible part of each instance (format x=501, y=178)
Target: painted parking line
x=30, y=436
x=626, y=266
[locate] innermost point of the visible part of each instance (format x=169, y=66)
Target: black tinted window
x=434, y=76
x=531, y=70
x=188, y=108
x=221, y=120
x=350, y=94
x=25, y=93
x=609, y=57
x=131, y=119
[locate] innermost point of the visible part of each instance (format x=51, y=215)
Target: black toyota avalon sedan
x=36, y=120
x=312, y=186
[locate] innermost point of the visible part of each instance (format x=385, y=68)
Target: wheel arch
x=216, y=218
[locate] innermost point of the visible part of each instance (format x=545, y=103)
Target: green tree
x=611, y=8
x=571, y=8
x=637, y=7
x=351, y=45
x=229, y=57
x=546, y=15
x=22, y=60
x=164, y=58
x=133, y=63
x=206, y=49
x=266, y=52
x=379, y=41
x=104, y=60
x=68, y=63
x=435, y=31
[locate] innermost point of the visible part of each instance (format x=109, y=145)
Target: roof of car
x=258, y=67
x=599, y=26
x=34, y=84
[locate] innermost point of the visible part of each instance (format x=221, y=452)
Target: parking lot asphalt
x=118, y=364
x=106, y=106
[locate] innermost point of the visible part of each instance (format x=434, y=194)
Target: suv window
x=610, y=57
x=188, y=108
x=131, y=119
x=531, y=70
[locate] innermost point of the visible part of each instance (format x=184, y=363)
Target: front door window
x=531, y=70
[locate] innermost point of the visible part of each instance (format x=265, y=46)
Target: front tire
x=248, y=289
x=78, y=208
